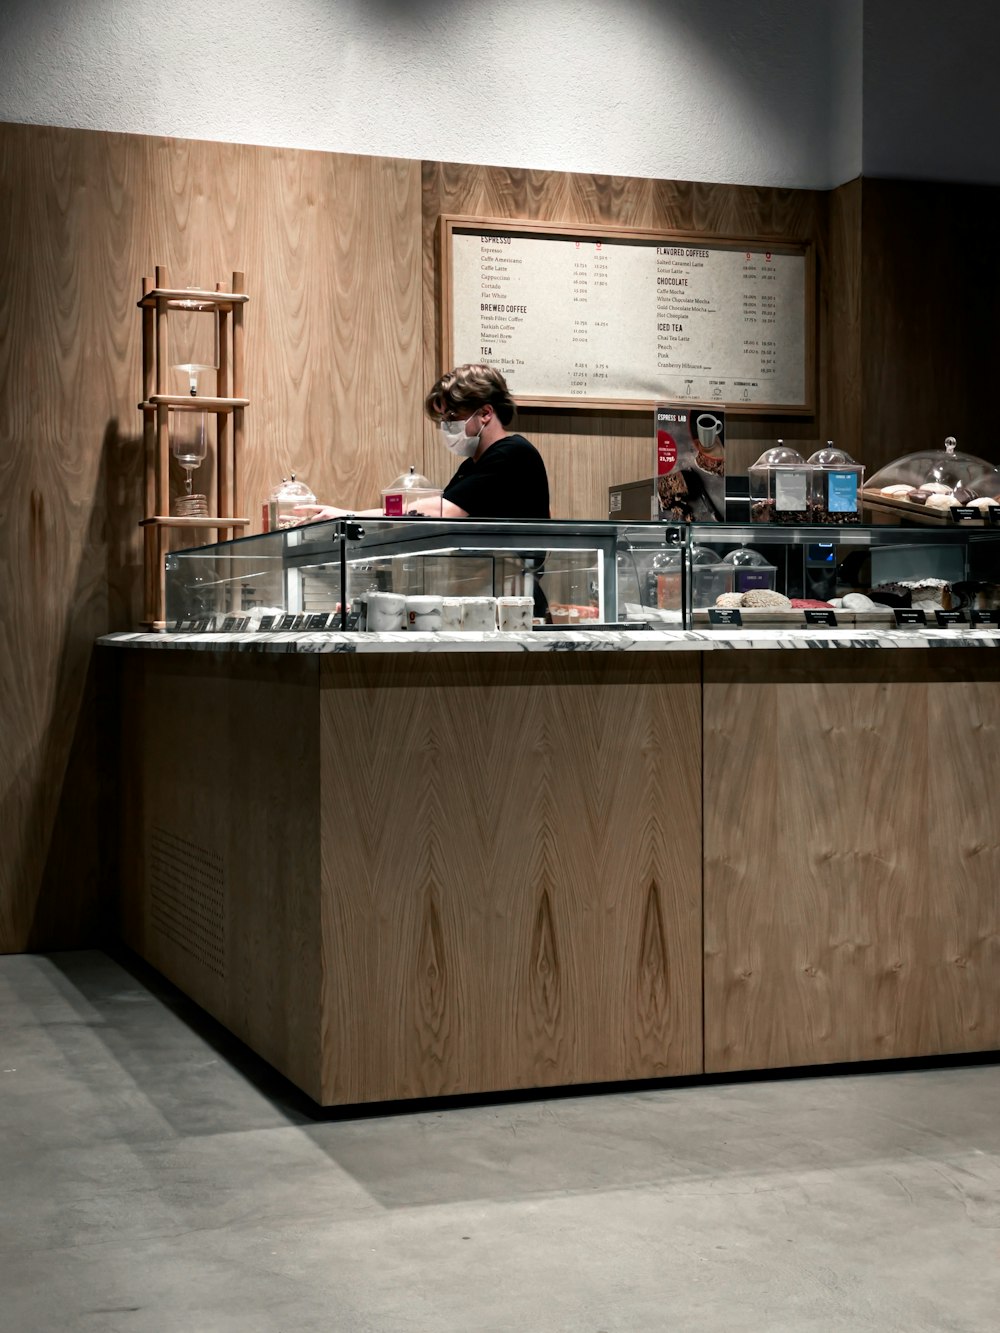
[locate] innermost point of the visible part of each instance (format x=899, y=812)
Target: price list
x=563, y=317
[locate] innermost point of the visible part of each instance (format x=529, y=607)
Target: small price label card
x=319, y=620
x=946, y=618
x=285, y=623
x=725, y=616
x=994, y=513
x=203, y=625
x=183, y=626
x=300, y=621
x=228, y=624
x=985, y=617
x=242, y=624
x=906, y=615
x=965, y=514
x=817, y=615
x=266, y=622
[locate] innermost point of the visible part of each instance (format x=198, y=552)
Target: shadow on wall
x=67, y=847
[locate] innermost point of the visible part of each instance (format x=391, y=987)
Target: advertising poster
x=690, y=462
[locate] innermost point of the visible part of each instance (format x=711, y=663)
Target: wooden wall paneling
x=840, y=322
x=930, y=341
x=511, y=872
x=580, y=483
x=65, y=342
x=220, y=841
x=850, y=859
x=331, y=248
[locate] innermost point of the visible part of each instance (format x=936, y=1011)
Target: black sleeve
x=509, y=481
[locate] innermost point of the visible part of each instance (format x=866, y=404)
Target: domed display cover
x=831, y=457
x=402, y=495
x=779, y=456
x=937, y=480
x=410, y=481
x=745, y=556
x=284, y=499
x=751, y=569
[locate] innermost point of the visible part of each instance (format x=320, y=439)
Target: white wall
x=931, y=90
x=759, y=92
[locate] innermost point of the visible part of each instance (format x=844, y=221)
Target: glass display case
x=417, y=573
x=325, y=576
x=863, y=573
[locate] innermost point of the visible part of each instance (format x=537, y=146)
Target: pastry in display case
x=936, y=486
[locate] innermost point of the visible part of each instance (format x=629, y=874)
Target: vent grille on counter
x=187, y=898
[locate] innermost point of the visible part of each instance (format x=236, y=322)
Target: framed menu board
x=585, y=316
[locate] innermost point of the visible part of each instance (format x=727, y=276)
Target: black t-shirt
x=508, y=481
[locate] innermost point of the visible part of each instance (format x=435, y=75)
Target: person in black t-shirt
x=502, y=475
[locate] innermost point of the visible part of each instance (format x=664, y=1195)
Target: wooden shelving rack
x=158, y=298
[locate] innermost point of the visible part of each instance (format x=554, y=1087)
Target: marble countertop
x=555, y=641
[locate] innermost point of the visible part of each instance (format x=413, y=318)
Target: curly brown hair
x=467, y=388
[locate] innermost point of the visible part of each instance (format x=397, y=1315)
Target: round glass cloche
x=745, y=557
x=938, y=479
x=286, y=497
x=779, y=456
x=832, y=457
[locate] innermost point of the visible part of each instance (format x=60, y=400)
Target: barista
x=501, y=474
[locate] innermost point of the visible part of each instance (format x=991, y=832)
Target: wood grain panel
x=508, y=899
x=840, y=322
x=585, y=454
x=929, y=336
x=239, y=829
x=331, y=246
x=851, y=861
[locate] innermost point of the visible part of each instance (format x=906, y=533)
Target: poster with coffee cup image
x=690, y=463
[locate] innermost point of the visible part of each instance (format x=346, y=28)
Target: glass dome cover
x=745, y=557
x=286, y=497
x=780, y=456
x=832, y=457
x=410, y=481
x=947, y=467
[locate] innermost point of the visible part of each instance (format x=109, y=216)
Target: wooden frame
x=449, y=224
x=158, y=298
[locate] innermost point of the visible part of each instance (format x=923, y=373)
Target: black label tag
x=946, y=618
x=994, y=513
x=266, y=622
x=242, y=624
x=353, y=619
x=299, y=621
x=285, y=622
x=985, y=617
x=725, y=616
x=184, y=626
x=203, y=624
x=318, y=620
x=965, y=514
x=906, y=615
x=228, y=624
x=817, y=615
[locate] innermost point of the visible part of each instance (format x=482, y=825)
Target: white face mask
x=455, y=438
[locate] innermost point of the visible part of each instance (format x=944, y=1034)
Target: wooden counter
x=413, y=875
x=409, y=876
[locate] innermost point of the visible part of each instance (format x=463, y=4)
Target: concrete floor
x=155, y=1177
